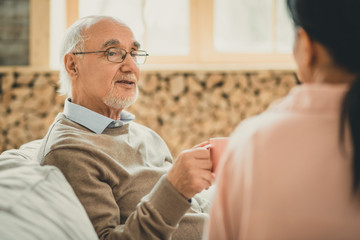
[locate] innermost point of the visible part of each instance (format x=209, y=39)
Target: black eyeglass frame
x=123, y=57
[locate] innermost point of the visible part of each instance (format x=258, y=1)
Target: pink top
x=285, y=177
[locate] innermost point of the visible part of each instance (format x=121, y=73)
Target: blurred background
x=212, y=63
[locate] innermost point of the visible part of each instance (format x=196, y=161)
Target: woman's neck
x=332, y=75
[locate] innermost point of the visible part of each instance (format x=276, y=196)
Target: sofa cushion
x=37, y=202
x=25, y=155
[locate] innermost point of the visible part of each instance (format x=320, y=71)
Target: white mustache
x=127, y=77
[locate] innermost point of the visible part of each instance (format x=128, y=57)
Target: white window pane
x=161, y=26
x=57, y=29
x=284, y=29
x=167, y=27
x=243, y=26
x=130, y=12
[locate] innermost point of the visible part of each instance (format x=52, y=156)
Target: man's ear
x=70, y=62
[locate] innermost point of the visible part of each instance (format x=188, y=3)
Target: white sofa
x=36, y=202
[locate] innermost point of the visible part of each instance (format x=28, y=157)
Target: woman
x=293, y=172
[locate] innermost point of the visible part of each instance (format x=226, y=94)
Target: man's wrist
x=168, y=201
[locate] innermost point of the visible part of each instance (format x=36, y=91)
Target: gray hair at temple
x=73, y=41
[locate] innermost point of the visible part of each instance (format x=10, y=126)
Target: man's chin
x=121, y=100
x=120, y=103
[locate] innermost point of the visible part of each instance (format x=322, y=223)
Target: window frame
x=39, y=49
x=202, y=52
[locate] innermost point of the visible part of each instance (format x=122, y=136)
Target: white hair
x=73, y=41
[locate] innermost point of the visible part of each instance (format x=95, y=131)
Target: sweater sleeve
x=156, y=216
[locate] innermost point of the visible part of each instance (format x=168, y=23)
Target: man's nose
x=129, y=64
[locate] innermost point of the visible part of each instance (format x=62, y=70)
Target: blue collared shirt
x=93, y=120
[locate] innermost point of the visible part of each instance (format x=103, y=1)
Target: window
x=239, y=32
x=251, y=26
x=242, y=26
x=14, y=32
x=158, y=30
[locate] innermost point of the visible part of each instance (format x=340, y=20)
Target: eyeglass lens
x=119, y=55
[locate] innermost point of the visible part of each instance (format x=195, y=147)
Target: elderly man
x=121, y=171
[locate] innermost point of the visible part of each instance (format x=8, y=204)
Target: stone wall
x=184, y=107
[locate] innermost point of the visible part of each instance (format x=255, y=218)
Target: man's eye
x=112, y=54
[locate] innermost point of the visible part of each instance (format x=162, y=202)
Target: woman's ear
x=305, y=49
x=305, y=54
x=71, y=65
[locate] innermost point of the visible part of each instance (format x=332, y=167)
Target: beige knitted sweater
x=119, y=177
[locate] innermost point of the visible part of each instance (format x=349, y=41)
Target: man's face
x=103, y=86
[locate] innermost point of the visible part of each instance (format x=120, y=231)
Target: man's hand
x=191, y=172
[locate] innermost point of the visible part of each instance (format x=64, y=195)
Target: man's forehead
x=116, y=42
x=109, y=33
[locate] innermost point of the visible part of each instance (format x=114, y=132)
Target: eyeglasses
x=118, y=55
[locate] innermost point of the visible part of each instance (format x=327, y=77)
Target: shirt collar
x=93, y=120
